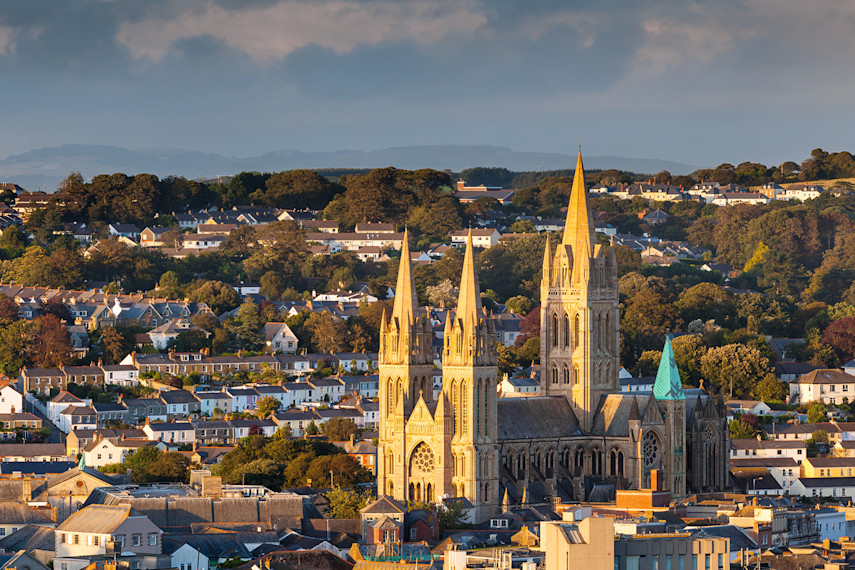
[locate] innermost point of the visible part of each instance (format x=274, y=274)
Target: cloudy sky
x=700, y=82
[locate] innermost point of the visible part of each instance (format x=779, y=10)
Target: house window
x=137, y=539
x=96, y=540
x=152, y=539
x=120, y=540
x=76, y=539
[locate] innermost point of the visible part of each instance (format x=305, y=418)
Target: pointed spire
x=469, y=301
x=405, y=307
x=506, y=503
x=579, y=227
x=668, y=385
x=547, y=263
x=634, y=413
x=524, y=503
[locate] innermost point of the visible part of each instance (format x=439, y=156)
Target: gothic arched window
x=555, y=374
x=566, y=375
x=566, y=331
x=578, y=327
x=554, y=329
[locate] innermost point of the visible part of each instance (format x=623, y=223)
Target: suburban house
x=105, y=451
x=160, y=336
x=280, y=338
x=482, y=238
x=171, y=433
x=828, y=385
x=105, y=530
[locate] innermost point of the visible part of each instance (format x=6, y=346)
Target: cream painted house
x=105, y=529
x=106, y=451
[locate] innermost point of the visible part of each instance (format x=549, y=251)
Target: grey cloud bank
x=692, y=82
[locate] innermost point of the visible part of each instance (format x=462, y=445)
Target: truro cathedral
x=581, y=439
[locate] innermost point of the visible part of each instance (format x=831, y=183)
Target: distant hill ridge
x=46, y=167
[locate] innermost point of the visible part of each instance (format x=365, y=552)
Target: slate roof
x=36, y=467
x=29, y=538
x=817, y=482
x=32, y=449
x=738, y=538
x=613, y=417
x=384, y=505
x=16, y=513
x=211, y=545
x=739, y=463
x=106, y=479
x=826, y=376
x=535, y=418
x=98, y=519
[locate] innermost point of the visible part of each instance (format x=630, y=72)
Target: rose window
x=650, y=450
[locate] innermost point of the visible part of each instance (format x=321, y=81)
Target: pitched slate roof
x=98, y=519
x=29, y=538
x=14, y=512
x=826, y=376
x=535, y=418
x=384, y=505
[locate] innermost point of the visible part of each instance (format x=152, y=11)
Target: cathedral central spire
x=579, y=226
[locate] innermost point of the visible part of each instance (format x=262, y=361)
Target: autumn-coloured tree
x=52, y=346
x=329, y=333
x=840, y=335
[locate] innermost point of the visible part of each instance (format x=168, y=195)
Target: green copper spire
x=668, y=385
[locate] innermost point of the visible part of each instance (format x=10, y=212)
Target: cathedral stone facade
x=581, y=439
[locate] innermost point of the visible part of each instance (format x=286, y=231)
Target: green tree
x=817, y=412
x=339, y=429
x=189, y=341
x=451, y=516
x=519, y=304
x=771, y=389
x=267, y=406
x=114, y=344
x=818, y=436
x=741, y=430
x=312, y=429
x=529, y=352
x=345, y=503
x=648, y=363
x=688, y=351
x=246, y=327
x=522, y=227
x=219, y=296
x=734, y=368
x=150, y=465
